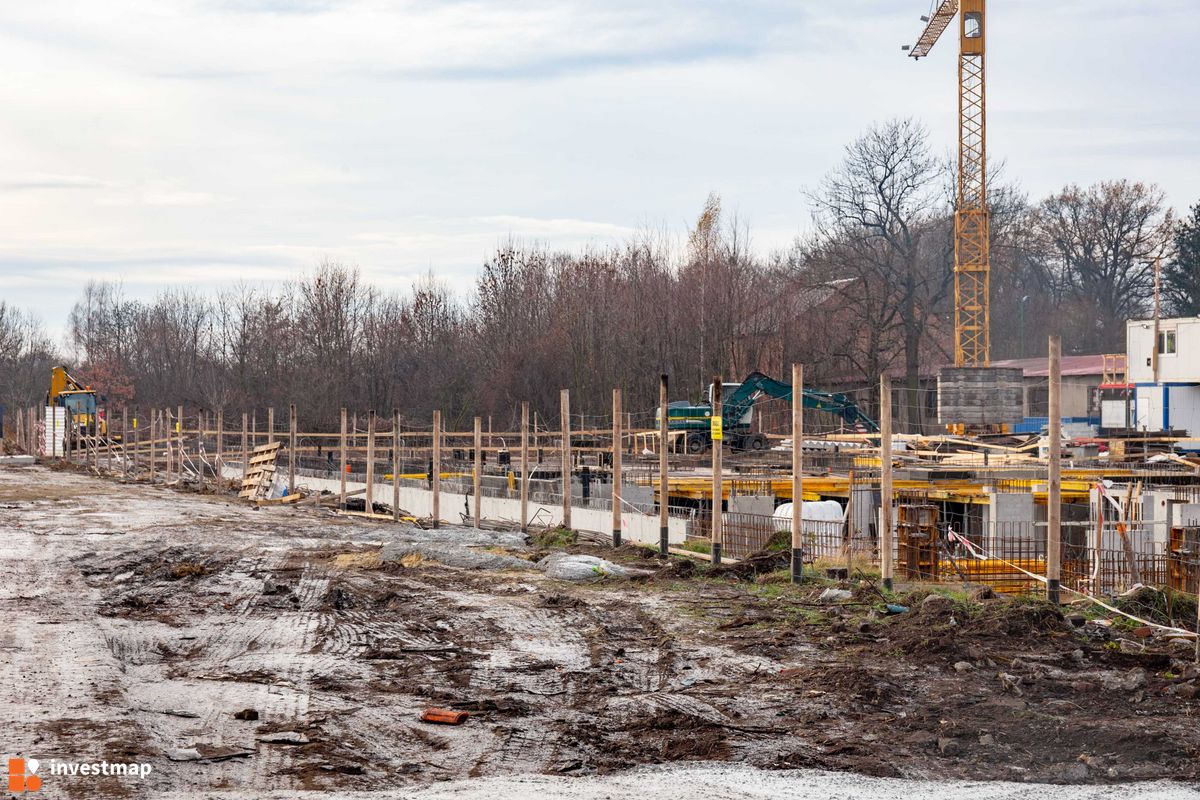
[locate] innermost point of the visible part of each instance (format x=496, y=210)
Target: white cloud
x=48, y=180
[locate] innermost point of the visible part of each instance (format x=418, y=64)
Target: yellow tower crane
x=971, y=284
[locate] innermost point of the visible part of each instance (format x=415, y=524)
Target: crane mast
x=972, y=344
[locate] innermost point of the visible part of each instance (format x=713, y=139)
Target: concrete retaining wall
x=641, y=528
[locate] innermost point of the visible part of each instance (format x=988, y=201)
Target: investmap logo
x=25, y=774
x=22, y=775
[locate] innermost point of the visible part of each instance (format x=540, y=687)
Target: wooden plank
x=371, y=515
x=679, y=551
x=281, y=501
x=261, y=480
x=262, y=469
x=321, y=499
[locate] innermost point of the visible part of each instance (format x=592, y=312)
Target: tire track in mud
x=242, y=652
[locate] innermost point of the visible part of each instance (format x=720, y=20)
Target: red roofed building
x=1081, y=379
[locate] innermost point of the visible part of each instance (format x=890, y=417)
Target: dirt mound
x=659, y=735
x=678, y=569
x=1164, y=607
x=937, y=627
x=752, y=566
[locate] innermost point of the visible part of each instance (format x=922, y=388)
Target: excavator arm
x=757, y=384
x=62, y=381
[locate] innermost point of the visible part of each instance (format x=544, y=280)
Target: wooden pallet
x=260, y=472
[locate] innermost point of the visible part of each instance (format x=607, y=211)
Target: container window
x=1166, y=343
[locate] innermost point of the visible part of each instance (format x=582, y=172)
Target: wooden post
x=437, y=467
x=201, y=427
x=163, y=435
x=292, y=454
x=564, y=411
x=179, y=443
x=477, y=475
x=1054, y=490
x=342, y=463
x=137, y=445
x=797, y=473
x=524, y=466
x=253, y=428
x=167, y=433
x=245, y=444
x=885, y=480
x=108, y=440
x=220, y=449
x=616, y=468
x=396, y=464
x=370, y=501
x=153, y=428
x=125, y=441
x=664, y=495
x=271, y=425
x=850, y=525
x=717, y=433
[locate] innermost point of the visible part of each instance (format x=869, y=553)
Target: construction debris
x=259, y=478
x=444, y=716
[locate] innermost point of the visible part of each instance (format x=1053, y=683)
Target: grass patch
x=697, y=546
x=187, y=569
x=1164, y=606
x=780, y=542
x=364, y=559
x=555, y=537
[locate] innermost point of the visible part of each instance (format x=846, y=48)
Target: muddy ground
x=141, y=620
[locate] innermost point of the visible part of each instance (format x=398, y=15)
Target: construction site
x=967, y=578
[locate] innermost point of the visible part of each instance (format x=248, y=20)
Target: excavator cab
x=78, y=399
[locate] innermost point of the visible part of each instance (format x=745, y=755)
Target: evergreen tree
x=1181, y=275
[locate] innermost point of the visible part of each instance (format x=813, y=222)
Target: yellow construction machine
x=78, y=399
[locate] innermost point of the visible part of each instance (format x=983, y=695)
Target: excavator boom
x=61, y=381
x=757, y=384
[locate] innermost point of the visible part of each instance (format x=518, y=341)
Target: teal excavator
x=737, y=412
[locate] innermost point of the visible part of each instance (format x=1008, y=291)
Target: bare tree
x=873, y=213
x=1099, y=244
x=26, y=356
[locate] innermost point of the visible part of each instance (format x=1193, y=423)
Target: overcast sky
x=194, y=142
